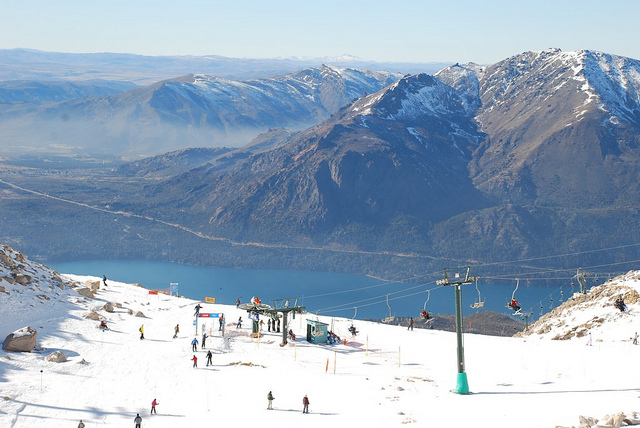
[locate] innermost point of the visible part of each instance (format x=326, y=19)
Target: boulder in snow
x=108, y=307
x=86, y=292
x=93, y=315
x=139, y=314
x=23, y=340
x=56, y=357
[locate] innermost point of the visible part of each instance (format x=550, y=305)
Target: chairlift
x=390, y=318
x=513, y=304
x=541, y=308
x=425, y=315
x=550, y=302
x=478, y=303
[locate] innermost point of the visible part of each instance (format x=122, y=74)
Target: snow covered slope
x=386, y=376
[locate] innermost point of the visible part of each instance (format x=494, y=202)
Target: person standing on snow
x=270, y=398
x=176, y=330
x=194, y=344
x=141, y=329
x=305, y=405
x=195, y=361
x=138, y=421
x=209, y=355
x=220, y=322
x=411, y=323
x=154, y=403
x=204, y=339
x=239, y=325
x=81, y=424
x=104, y=280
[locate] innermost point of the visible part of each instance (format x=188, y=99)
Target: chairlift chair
x=478, y=303
x=425, y=313
x=510, y=305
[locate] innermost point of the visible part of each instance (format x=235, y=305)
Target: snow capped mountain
x=190, y=111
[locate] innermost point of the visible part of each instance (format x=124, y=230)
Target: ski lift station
x=317, y=332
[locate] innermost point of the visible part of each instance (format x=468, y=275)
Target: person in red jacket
x=305, y=404
x=195, y=361
x=154, y=403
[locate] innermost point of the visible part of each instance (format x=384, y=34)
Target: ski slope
x=386, y=376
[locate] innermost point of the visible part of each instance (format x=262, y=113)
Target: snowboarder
x=411, y=323
x=198, y=307
x=353, y=330
x=141, y=330
x=194, y=344
x=154, y=403
x=81, y=424
x=209, y=356
x=305, y=405
x=138, y=421
x=104, y=280
x=204, y=339
x=195, y=361
x=239, y=325
x=270, y=398
x=176, y=330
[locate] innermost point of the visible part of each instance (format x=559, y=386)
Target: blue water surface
x=331, y=294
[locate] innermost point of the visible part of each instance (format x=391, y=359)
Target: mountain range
x=533, y=155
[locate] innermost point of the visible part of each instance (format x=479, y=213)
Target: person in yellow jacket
x=141, y=331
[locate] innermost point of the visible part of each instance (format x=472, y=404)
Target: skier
x=620, y=304
x=352, y=330
x=176, y=330
x=305, y=405
x=103, y=325
x=278, y=331
x=237, y=302
x=209, y=355
x=154, y=403
x=239, y=325
x=269, y=324
x=261, y=323
x=104, y=280
x=515, y=305
x=292, y=335
x=411, y=323
x=204, y=339
x=220, y=322
x=198, y=307
x=141, y=329
x=195, y=361
x=138, y=421
x=635, y=338
x=81, y=424
x=194, y=344
x=270, y=397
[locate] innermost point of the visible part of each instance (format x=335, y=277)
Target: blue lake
x=331, y=294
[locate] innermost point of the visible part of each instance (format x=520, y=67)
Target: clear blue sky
x=401, y=30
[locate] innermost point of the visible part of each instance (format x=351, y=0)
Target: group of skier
x=305, y=402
